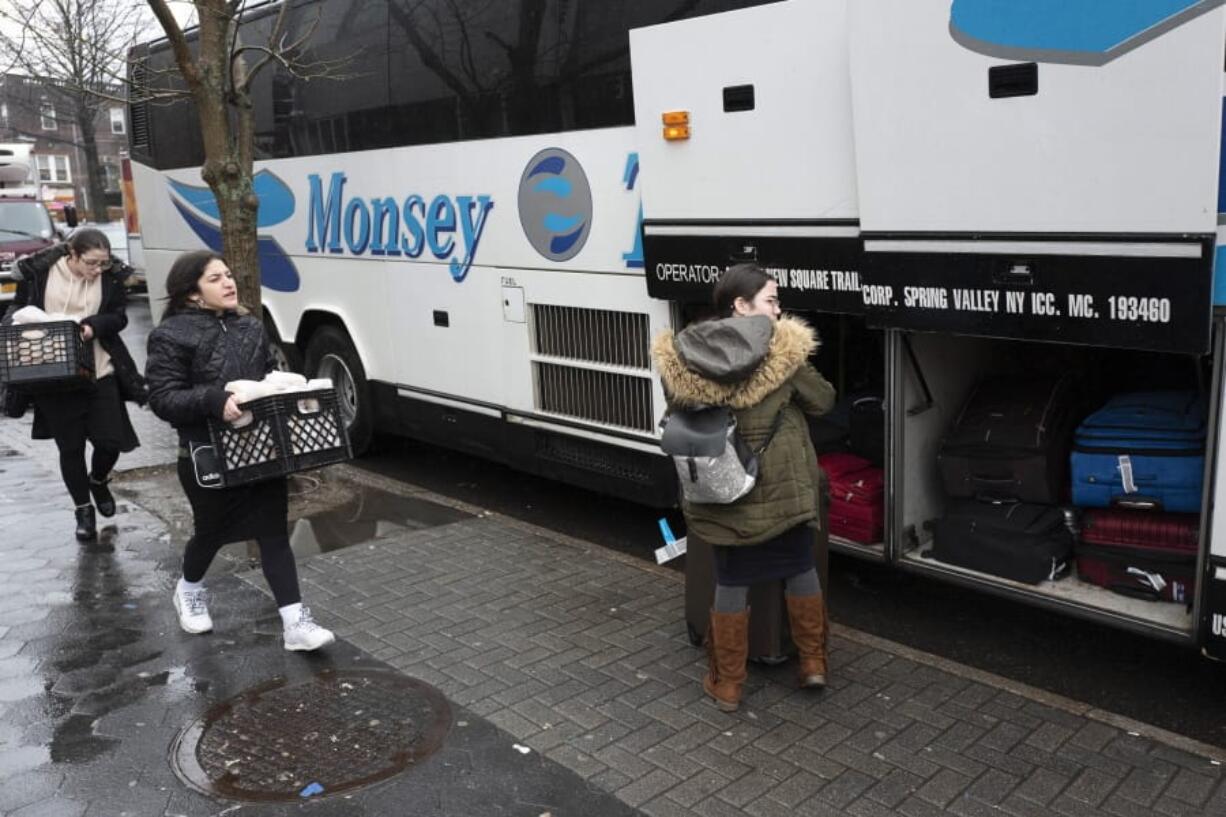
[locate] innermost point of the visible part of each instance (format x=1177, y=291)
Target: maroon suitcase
x=857, y=522
x=853, y=479
x=857, y=497
x=1144, y=554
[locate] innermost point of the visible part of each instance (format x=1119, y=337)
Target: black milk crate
x=44, y=355
x=290, y=432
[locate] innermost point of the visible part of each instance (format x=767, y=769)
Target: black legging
x=72, y=466
x=276, y=557
x=95, y=415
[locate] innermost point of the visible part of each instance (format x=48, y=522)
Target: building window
x=53, y=169
x=117, y=122
x=47, y=113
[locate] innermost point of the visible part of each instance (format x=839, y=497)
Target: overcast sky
x=183, y=10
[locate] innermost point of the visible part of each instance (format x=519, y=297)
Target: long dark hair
x=740, y=281
x=184, y=278
x=86, y=239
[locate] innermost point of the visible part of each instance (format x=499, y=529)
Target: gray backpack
x=715, y=466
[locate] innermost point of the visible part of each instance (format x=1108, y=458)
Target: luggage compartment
x=954, y=368
x=855, y=434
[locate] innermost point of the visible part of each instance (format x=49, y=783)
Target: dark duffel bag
x=1021, y=541
x=827, y=435
x=1140, y=554
x=1011, y=441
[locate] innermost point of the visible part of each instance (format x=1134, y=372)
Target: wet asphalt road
x=1163, y=684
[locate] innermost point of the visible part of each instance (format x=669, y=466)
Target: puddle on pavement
x=370, y=514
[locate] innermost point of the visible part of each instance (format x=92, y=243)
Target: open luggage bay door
x=744, y=130
x=1043, y=170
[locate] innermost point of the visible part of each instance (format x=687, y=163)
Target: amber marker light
x=676, y=125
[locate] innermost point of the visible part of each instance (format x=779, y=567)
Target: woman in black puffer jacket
x=204, y=341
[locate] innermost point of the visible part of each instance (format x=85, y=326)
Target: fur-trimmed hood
x=687, y=383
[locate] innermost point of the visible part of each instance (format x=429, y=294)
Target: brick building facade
x=42, y=114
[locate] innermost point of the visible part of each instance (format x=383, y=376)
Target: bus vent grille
x=609, y=398
x=138, y=106
x=595, y=335
x=616, y=463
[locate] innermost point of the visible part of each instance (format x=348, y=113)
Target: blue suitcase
x=1142, y=450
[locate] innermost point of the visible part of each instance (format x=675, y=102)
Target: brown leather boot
x=727, y=649
x=807, y=616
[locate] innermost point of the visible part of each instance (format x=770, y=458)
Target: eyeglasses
x=95, y=263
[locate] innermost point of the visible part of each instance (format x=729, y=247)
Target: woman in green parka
x=755, y=361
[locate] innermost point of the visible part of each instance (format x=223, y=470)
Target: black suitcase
x=827, y=435
x=770, y=637
x=868, y=428
x=1014, y=540
x=1011, y=440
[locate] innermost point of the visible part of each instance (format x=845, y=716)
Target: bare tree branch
x=270, y=51
x=213, y=64
x=177, y=40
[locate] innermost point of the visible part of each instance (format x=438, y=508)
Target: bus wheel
x=286, y=355
x=330, y=354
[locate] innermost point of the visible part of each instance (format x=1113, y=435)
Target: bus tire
x=330, y=354
x=287, y=355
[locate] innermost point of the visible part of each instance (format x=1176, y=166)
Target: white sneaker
x=193, y=609
x=305, y=635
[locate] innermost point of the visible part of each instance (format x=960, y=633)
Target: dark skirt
x=225, y=515
x=788, y=554
x=98, y=410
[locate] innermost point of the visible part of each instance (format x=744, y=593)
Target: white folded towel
x=32, y=314
x=274, y=383
x=285, y=381
x=247, y=390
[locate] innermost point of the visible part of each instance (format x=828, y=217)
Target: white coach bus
x=451, y=234
x=477, y=234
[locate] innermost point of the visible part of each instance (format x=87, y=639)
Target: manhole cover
x=330, y=734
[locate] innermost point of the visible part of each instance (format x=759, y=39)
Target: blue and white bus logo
x=555, y=204
x=199, y=209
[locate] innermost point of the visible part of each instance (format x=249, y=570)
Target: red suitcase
x=859, y=523
x=857, y=497
x=853, y=479
x=1144, y=554
x=839, y=463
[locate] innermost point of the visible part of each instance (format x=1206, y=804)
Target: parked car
x=25, y=227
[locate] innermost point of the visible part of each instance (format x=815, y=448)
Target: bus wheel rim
x=334, y=368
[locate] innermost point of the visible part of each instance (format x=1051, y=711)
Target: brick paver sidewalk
x=97, y=681
x=582, y=654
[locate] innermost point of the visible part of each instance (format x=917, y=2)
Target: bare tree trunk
x=240, y=244
x=228, y=160
x=217, y=76
x=95, y=179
